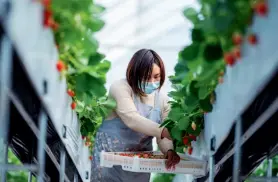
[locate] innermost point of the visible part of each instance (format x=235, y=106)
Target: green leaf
x=109, y=103
x=176, y=113
x=95, y=59
x=96, y=24
x=166, y=122
x=190, y=52
x=191, y=14
x=179, y=149
x=181, y=70
x=103, y=112
x=183, y=123
x=197, y=35
x=176, y=133
x=203, y=91
x=97, y=9
x=213, y=52
x=88, y=83
x=205, y=104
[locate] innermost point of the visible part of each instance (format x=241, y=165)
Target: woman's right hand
x=165, y=134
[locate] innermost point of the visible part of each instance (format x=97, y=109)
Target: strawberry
x=192, y=137
x=73, y=105
x=60, y=66
x=237, y=52
x=185, y=140
x=87, y=143
x=261, y=8
x=229, y=59
x=220, y=80
x=71, y=93
x=91, y=157
x=252, y=39
x=190, y=150
x=83, y=137
x=193, y=125
x=146, y=156
x=47, y=16
x=46, y=3
x=237, y=38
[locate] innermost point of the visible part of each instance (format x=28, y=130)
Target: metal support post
x=62, y=164
x=5, y=82
x=75, y=177
x=41, y=145
x=269, y=170
x=237, y=155
x=30, y=177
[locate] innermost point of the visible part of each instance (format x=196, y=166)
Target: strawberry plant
x=219, y=30
x=80, y=62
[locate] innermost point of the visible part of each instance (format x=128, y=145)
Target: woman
x=141, y=108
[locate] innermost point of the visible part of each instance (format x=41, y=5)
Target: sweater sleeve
x=165, y=144
x=127, y=111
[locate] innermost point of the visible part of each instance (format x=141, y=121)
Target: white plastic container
x=187, y=165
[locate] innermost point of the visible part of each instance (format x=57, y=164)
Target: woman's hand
x=172, y=159
x=165, y=134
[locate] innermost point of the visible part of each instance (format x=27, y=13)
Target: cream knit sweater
x=126, y=110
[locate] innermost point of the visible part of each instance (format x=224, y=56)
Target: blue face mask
x=150, y=87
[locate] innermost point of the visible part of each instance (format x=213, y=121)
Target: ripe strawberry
x=192, y=137
x=91, y=157
x=237, y=52
x=71, y=93
x=190, y=150
x=83, y=137
x=252, y=39
x=193, y=125
x=73, y=105
x=185, y=140
x=146, y=156
x=261, y=8
x=237, y=38
x=229, y=59
x=220, y=80
x=47, y=16
x=46, y=3
x=60, y=66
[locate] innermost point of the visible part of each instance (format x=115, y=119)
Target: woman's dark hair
x=140, y=69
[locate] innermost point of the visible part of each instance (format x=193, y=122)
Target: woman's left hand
x=172, y=159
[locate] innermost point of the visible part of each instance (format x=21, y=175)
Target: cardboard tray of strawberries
x=149, y=161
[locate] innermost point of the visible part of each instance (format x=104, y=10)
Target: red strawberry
x=220, y=80
x=83, y=137
x=192, y=137
x=237, y=52
x=54, y=25
x=46, y=3
x=73, y=105
x=193, y=125
x=185, y=140
x=252, y=39
x=91, y=157
x=47, y=16
x=261, y=8
x=146, y=156
x=60, y=66
x=71, y=93
x=237, y=38
x=190, y=150
x=229, y=59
